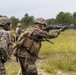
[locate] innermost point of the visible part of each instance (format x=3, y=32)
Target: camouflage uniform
x=4, y=43
x=10, y=46
x=11, y=40
x=28, y=50
x=18, y=31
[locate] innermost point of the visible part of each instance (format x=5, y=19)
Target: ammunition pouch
x=19, y=44
x=32, y=45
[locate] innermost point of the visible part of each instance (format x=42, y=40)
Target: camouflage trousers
x=2, y=69
x=28, y=65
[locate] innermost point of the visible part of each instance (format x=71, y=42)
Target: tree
x=74, y=15
x=27, y=20
x=0, y=15
x=64, y=18
x=74, y=19
x=14, y=21
x=50, y=21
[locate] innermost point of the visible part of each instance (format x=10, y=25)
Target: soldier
x=4, y=42
x=18, y=30
x=29, y=44
x=10, y=48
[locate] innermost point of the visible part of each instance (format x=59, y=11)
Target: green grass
x=60, y=56
x=12, y=68
x=66, y=42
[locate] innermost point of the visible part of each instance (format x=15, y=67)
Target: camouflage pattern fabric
x=5, y=40
x=33, y=42
x=2, y=69
x=28, y=65
x=40, y=21
x=10, y=44
x=27, y=53
x=18, y=32
x=4, y=46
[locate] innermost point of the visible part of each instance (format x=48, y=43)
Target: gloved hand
x=63, y=28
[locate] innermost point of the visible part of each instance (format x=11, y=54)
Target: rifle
x=61, y=28
x=54, y=27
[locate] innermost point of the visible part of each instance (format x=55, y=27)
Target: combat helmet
x=19, y=24
x=41, y=21
x=4, y=20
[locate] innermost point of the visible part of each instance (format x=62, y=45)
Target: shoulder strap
x=29, y=31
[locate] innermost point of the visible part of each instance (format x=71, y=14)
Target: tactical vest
x=31, y=44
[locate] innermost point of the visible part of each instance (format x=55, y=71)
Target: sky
x=38, y=8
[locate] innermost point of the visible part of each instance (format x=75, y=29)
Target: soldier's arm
x=43, y=34
x=3, y=46
x=40, y=34
x=56, y=33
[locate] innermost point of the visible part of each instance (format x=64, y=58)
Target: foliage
x=14, y=21
x=50, y=21
x=74, y=18
x=64, y=18
x=62, y=55
x=12, y=68
x=74, y=15
x=27, y=20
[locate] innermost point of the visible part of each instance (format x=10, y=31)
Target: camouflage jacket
x=18, y=31
x=33, y=38
x=5, y=42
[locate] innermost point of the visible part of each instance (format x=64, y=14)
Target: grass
x=64, y=43
x=60, y=56
x=12, y=68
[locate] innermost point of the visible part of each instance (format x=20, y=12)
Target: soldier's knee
x=32, y=70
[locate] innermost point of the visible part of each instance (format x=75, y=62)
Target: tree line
x=62, y=18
